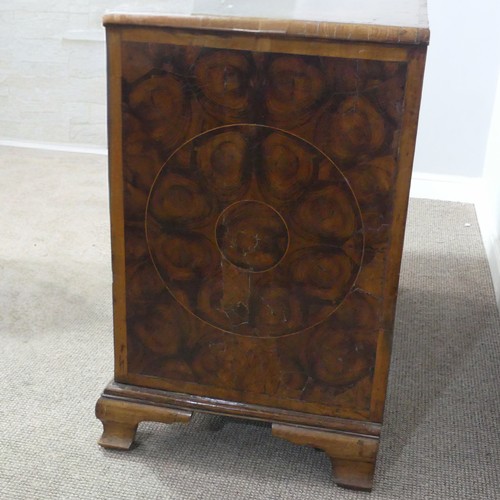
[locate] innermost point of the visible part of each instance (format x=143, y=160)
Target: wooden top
x=386, y=21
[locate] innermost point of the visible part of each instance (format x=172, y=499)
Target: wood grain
x=309, y=29
x=352, y=456
x=286, y=260
x=152, y=396
x=117, y=195
x=120, y=420
x=258, y=195
x=321, y=238
x=413, y=93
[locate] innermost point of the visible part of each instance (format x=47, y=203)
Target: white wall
x=488, y=204
x=52, y=71
x=459, y=87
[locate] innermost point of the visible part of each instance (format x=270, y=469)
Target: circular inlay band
x=254, y=231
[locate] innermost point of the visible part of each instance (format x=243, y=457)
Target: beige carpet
x=442, y=431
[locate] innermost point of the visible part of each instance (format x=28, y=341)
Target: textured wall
x=52, y=85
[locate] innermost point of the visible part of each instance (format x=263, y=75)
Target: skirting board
x=488, y=217
x=493, y=253
x=56, y=147
x=446, y=187
x=467, y=190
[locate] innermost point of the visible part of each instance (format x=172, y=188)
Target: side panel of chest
x=258, y=201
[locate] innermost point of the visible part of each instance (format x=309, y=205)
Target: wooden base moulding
x=121, y=408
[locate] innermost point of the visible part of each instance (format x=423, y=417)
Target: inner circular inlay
x=252, y=235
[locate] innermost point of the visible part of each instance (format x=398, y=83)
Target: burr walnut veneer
x=259, y=177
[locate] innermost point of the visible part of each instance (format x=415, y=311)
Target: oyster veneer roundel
x=353, y=130
x=240, y=254
x=294, y=90
x=161, y=103
x=222, y=164
x=223, y=79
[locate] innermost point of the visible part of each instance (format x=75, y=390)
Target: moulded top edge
x=368, y=30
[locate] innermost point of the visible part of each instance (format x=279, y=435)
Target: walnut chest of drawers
x=259, y=179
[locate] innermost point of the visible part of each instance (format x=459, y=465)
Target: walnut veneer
x=259, y=185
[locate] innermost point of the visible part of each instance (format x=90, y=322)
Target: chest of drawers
x=259, y=178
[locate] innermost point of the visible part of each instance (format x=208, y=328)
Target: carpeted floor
x=441, y=438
